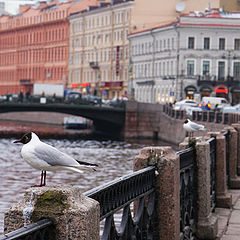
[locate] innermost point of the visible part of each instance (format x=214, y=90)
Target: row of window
x=103, y=75
x=99, y=55
x=28, y=38
x=167, y=68
x=161, y=69
x=158, y=94
x=99, y=38
x=34, y=56
x=38, y=73
x=169, y=44
x=100, y=21
x=148, y=47
x=206, y=43
x=24, y=21
x=206, y=69
x=35, y=73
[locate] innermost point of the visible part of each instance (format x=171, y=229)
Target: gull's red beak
x=17, y=141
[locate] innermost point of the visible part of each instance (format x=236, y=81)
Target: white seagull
x=44, y=157
x=191, y=127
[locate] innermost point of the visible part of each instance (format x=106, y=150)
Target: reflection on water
x=115, y=159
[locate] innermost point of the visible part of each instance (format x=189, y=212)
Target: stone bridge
x=136, y=120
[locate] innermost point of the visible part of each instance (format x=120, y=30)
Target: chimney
x=24, y=8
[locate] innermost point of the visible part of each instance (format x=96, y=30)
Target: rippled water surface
x=16, y=176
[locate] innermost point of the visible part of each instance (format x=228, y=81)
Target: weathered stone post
x=237, y=127
x=233, y=157
x=207, y=225
x=74, y=216
x=223, y=198
x=167, y=187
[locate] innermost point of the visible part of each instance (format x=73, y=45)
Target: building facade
x=34, y=47
x=99, y=49
x=198, y=55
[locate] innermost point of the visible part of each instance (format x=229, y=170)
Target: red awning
x=221, y=90
x=85, y=84
x=75, y=85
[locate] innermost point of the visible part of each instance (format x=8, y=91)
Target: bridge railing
x=204, y=116
x=188, y=193
x=138, y=187
x=38, y=230
x=212, y=143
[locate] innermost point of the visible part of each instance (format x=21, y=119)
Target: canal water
x=114, y=157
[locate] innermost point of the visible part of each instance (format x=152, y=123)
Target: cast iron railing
x=226, y=134
x=36, y=231
x=188, y=194
x=119, y=194
x=212, y=142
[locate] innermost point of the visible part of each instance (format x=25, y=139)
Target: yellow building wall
x=230, y=5
x=157, y=12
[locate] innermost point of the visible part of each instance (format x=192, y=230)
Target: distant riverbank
x=46, y=125
x=13, y=129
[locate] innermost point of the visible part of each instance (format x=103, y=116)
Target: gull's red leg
x=44, y=178
x=41, y=179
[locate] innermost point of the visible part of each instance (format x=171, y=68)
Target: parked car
x=182, y=105
x=204, y=106
x=231, y=109
x=73, y=98
x=213, y=101
x=190, y=110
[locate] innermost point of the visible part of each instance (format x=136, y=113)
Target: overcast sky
x=11, y=6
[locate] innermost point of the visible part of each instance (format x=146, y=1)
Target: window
x=191, y=42
x=221, y=43
x=190, y=67
x=221, y=70
x=206, y=43
x=236, y=70
x=237, y=44
x=206, y=68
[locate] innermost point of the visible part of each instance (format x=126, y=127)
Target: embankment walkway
x=229, y=219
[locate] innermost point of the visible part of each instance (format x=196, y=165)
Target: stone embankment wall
x=145, y=120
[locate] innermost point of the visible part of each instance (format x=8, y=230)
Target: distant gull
x=47, y=158
x=191, y=127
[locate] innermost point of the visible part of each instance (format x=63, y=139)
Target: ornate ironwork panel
x=188, y=194
x=36, y=231
x=211, y=116
x=199, y=116
x=205, y=113
x=226, y=134
x=194, y=115
x=219, y=117
x=212, y=142
x=225, y=118
x=119, y=194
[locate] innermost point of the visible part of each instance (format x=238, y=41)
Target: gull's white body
x=193, y=127
x=47, y=158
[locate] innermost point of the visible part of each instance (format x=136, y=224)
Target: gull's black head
x=186, y=121
x=25, y=138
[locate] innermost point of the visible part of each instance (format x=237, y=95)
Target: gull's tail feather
x=87, y=163
x=203, y=129
x=86, y=166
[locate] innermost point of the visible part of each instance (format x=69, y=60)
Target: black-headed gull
x=191, y=127
x=44, y=157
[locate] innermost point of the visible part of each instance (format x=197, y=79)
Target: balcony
x=94, y=65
